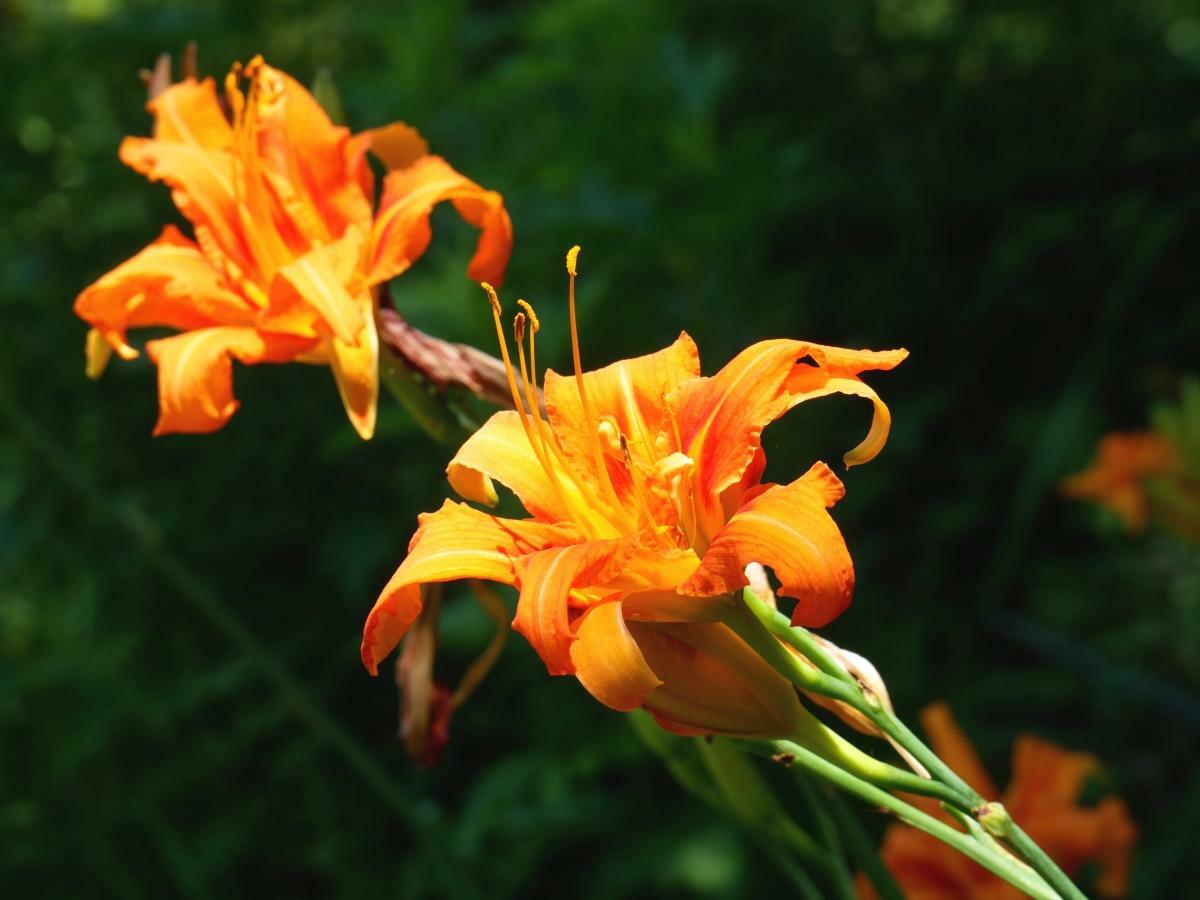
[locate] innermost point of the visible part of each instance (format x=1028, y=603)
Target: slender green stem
x=776, y=834
x=1004, y=866
x=751, y=629
x=794, y=872
x=849, y=691
x=843, y=879
x=863, y=849
x=960, y=795
x=1015, y=836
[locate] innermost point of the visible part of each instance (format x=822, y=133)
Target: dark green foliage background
x=1008, y=189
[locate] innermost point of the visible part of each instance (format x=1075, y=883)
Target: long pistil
x=579, y=514
x=549, y=444
x=588, y=415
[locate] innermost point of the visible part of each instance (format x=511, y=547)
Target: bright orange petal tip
x=288, y=241
x=643, y=486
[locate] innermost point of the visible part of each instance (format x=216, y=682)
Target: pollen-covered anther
x=491, y=292
x=573, y=261
x=534, y=325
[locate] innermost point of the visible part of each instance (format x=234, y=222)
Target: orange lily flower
x=287, y=249
x=1043, y=796
x=642, y=481
x=1116, y=480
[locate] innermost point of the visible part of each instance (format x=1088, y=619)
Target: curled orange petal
x=788, y=529
x=169, y=283
x=453, y=543
x=547, y=579
x=721, y=418
x=397, y=145
x=500, y=450
x=607, y=659
x=195, y=373
x=402, y=233
x=188, y=112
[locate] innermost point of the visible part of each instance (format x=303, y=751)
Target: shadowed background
x=1009, y=192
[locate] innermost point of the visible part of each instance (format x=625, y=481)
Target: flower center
x=600, y=507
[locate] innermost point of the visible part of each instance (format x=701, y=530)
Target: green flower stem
x=750, y=801
x=776, y=833
x=829, y=833
x=998, y=822
x=815, y=735
x=992, y=816
x=794, y=872
x=1000, y=864
x=849, y=691
x=863, y=849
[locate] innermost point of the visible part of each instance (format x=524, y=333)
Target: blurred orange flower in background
x=643, y=483
x=287, y=247
x=1117, y=479
x=1043, y=795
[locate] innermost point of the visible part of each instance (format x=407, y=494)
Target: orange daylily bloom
x=642, y=481
x=1043, y=796
x=287, y=247
x=1117, y=479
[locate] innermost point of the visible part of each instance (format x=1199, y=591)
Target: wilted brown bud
x=426, y=705
x=442, y=363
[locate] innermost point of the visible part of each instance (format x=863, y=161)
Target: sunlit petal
x=607, y=659
x=402, y=233
x=453, y=543
x=195, y=373
x=788, y=529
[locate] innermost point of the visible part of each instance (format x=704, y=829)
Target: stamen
x=510, y=375
x=508, y=366
x=588, y=415
x=533, y=319
x=639, y=491
x=548, y=443
x=687, y=512
x=253, y=204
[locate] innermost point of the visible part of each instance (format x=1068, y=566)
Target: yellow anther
x=572, y=259
x=491, y=292
x=534, y=324
x=519, y=335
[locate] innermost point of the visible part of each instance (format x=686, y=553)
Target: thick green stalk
x=814, y=734
x=1000, y=864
